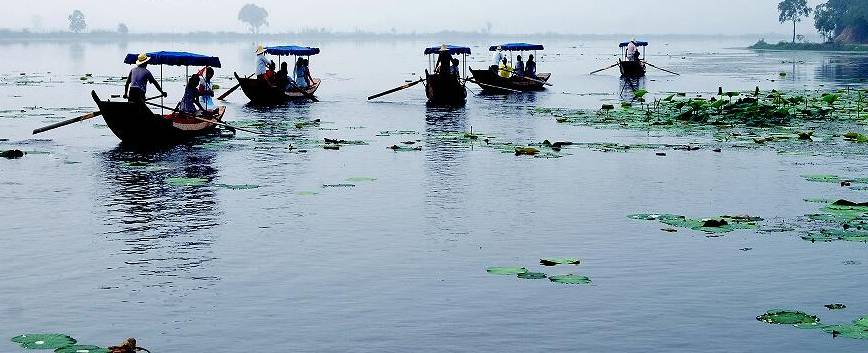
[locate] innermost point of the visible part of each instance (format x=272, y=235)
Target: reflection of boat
x=135, y=123
x=445, y=89
x=262, y=92
x=490, y=79
x=633, y=67
x=629, y=86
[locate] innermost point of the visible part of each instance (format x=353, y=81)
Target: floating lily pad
x=44, y=340
x=786, y=317
x=849, y=331
x=722, y=224
x=238, y=186
x=81, y=349
x=570, y=279
x=307, y=193
x=559, y=261
x=532, y=275
x=835, y=306
x=180, y=181
x=359, y=179
x=506, y=271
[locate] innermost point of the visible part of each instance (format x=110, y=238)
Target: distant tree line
x=843, y=21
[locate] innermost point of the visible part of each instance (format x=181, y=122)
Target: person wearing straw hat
x=444, y=61
x=261, y=63
x=137, y=81
x=498, y=56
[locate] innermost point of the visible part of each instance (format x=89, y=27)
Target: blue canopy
x=176, y=58
x=292, y=50
x=517, y=47
x=453, y=49
x=638, y=44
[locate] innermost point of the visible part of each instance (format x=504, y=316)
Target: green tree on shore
x=793, y=10
x=254, y=16
x=77, y=22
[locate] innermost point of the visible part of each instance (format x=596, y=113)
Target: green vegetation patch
x=532, y=275
x=722, y=224
x=44, y=340
x=182, y=181
x=787, y=317
x=559, y=261
x=506, y=271
x=570, y=279
x=81, y=349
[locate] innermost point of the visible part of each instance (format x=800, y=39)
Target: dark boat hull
x=445, y=90
x=632, y=68
x=260, y=92
x=136, y=124
x=490, y=78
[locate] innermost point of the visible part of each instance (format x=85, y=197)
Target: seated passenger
x=301, y=74
x=519, y=67
x=206, y=91
x=282, y=75
x=190, y=102
x=505, y=68
x=530, y=67
x=454, y=70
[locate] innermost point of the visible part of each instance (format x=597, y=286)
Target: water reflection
x=629, y=86
x=446, y=174
x=164, y=231
x=843, y=69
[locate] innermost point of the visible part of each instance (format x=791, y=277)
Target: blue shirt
x=261, y=65
x=139, y=78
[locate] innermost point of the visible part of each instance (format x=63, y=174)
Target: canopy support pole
x=163, y=87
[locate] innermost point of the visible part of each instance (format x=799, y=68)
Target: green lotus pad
x=559, y=261
x=186, y=181
x=44, y=340
x=850, y=331
x=81, y=349
x=506, y=271
x=359, y=179
x=785, y=317
x=835, y=306
x=238, y=186
x=532, y=275
x=570, y=279
x=722, y=224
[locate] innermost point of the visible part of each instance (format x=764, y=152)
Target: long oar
x=74, y=120
x=604, y=69
x=295, y=88
x=203, y=119
x=662, y=69
x=411, y=84
x=492, y=86
x=527, y=78
x=224, y=95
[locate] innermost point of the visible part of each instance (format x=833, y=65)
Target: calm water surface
x=102, y=250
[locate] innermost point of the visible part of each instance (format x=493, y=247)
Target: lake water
x=100, y=249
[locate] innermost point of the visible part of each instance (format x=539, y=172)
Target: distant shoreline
x=823, y=47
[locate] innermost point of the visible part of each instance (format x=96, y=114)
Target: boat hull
x=489, y=78
x=445, y=90
x=632, y=68
x=136, y=124
x=260, y=92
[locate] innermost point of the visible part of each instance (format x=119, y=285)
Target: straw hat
x=444, y=47
x=260, y=50
x=143, y=58
x=499, y=48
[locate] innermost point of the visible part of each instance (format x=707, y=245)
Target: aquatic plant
x=559, y=261
x=787, y=317
x=44, y=340
x=570, y=279
x=81, y=349
x=717, y=225
x=506, y=271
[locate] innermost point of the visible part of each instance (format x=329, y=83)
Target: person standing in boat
x=498, y=56
x=632, y=51
x=206, y=90
x=519, y=67
x=190, y=102
x=530, y=67
x=444, y=61
x=137, y=81
x=261, y=63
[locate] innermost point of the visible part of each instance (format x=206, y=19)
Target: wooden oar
x=492, y=86
x=224, y=95
x=604, y=69
x=203, y=119
x=74, y=120
x=662, y=69
x=411, y=84
x=295, y=88
x=525, y=77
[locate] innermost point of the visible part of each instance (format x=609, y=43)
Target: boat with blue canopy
x=264, y=92
x=441, y=86
x=491, y=81
x=136, y=124
x=633, y=67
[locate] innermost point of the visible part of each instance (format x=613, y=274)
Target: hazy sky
x=506, y=16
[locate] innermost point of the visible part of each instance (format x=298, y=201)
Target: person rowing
x=137, y=81
x=632, y=50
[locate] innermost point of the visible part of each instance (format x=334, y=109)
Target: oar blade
x=66, y=122
x=411, y=84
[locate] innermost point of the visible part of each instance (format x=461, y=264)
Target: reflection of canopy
x=176, y=58
x=292, y=50
x=517, y=47
x=453, y=49
x=638, y=44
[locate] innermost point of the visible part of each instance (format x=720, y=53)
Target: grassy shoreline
x=789, y=46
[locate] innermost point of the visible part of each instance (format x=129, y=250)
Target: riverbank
x=763, y=45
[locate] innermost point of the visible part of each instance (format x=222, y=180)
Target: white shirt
x=498, y=57
x=631, y=50
x=261, y=65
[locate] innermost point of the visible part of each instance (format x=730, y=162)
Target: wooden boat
x=262, y=92
x=490, y=78
x=136, y=124
x=632, y=68
x=445, y=90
